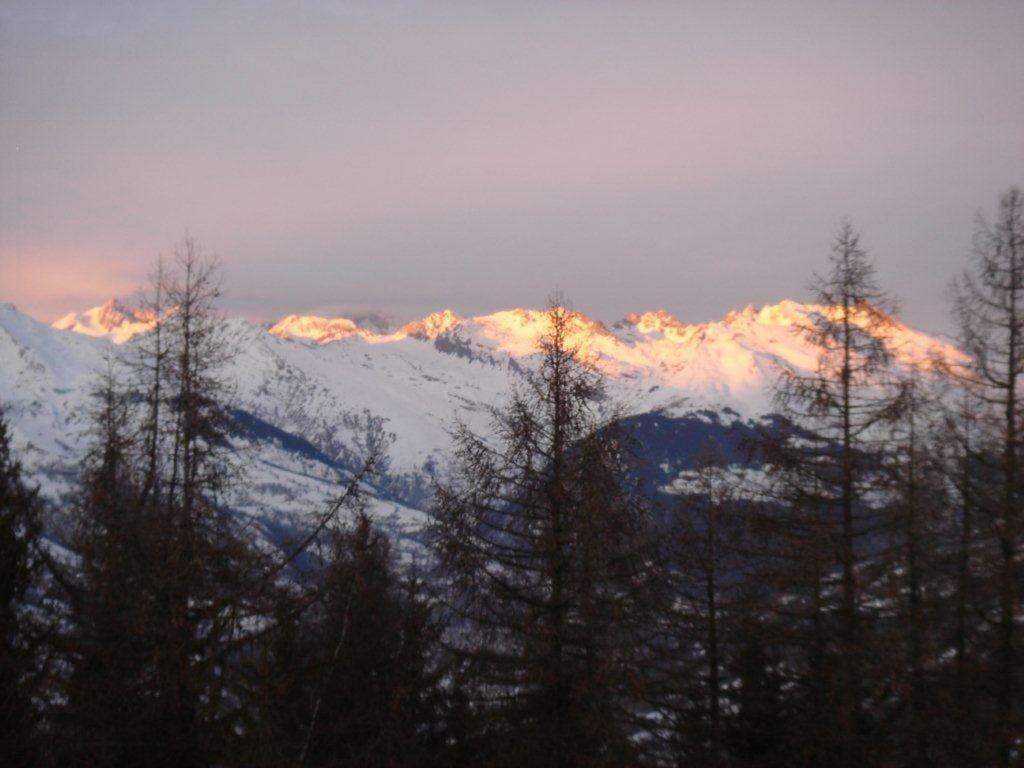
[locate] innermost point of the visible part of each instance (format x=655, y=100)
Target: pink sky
x=407, y=157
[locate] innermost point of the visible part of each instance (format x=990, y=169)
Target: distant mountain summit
x=111, y=319
x=318, y=329
x=432, y=326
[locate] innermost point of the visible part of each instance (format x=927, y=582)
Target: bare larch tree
x=543, y=543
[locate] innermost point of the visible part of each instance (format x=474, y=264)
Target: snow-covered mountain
x=111, y=319
x=308, y=388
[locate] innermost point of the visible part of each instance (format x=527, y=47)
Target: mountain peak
x=658, y=321
x=431, y=326
x=111, y=319
x=317, y=329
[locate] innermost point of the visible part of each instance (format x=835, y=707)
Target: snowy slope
x=47, y=376
x=727, y=363
x=308, y=388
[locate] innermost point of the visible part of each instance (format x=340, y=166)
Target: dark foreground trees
x=990, y=309
x=166, y=579
x=22, y=664
x=184, y=644
x=824, y=470
x=543, y=542
x=883, y=565
x=705, y=580
x=349, y=672
x=112, y=713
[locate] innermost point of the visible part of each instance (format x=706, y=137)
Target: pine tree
x=349, y=672
x=911, y=569
x=825, y=470
x=20, y=529
x=108, y=718
x=169, y=589
x=966, y=476
x=790, y=570
x=705, y=578
x=376, y=702
x=543, y=544
x=990, y=310
x=760, y=730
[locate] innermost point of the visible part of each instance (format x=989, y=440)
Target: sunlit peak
x=431, y=326
x=111, y=319
x=658, y=321
x=314, y=328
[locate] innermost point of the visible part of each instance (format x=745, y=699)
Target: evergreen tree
x=760, y=732
x=20, y=562
x=349, y=671
x=544, y=547
x=168, y=587
x=376, y=702
x=705, y=576
x=825, y=468
x=911, y=573
x=967, y=726
x=110, y=718
x=990, y=309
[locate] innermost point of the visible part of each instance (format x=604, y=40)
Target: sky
x=402, y=157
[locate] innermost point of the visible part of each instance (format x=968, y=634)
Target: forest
x=851, y=598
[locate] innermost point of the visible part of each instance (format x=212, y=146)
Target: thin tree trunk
x=713, y=656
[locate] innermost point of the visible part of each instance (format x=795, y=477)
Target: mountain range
x=307, y=391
